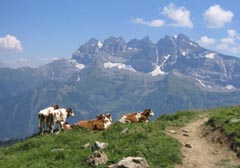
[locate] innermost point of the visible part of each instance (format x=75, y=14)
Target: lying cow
x=67, y=126
x=58, y=117
x=136, y=117
x=44, y=118
x=101, y=122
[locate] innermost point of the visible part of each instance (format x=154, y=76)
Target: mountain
x=115, y=76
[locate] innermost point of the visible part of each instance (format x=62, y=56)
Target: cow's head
x=109, y=116
x=69, y=112
x=105, y=119
x=55, y=106
x=148, y=112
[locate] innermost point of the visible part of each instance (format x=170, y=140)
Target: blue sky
x=34, y=32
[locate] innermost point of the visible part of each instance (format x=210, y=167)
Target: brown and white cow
x=44, y=118
x=136, y=117
x=58, y=117
x=102, y=122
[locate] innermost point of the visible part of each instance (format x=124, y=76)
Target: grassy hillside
x=146, y=140
x=227, y=121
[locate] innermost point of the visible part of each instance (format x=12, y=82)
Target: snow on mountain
x=100, y=44
x=111, y=65
x=210, y=55
x=77, y=65
x=158, y=70
x=168, y=54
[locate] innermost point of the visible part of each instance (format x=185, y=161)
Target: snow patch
x=210, y=55
x=100, y=44
x=224, y=67
x=78, y=78
x=132, y=49
x=80, y=66
x=184, y=53
x=157, y=70
x=111, y=65
x=229, y=87
x=192, y=44
x=77, y=65
x=201, y=83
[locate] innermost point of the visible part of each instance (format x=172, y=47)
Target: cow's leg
x=51, y=123
x=40, y=123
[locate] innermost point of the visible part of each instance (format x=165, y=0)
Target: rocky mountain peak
x=114, y=45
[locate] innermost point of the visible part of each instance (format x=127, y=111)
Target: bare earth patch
x=199, y=152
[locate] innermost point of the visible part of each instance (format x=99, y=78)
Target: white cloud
x=232, y=33
x=231, y=43
x=180, y=15
x=216, y=17
x=153, y=23
x=206, y=41
x=10, y=44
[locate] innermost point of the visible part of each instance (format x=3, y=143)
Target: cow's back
x=46, y=111
x=130, y=118
x=85, y=124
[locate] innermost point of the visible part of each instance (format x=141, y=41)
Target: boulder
x=98, y=146
x=234, y=120
x=97, y=158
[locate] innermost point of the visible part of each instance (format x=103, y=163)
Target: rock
x=234, y=120
x=186, y=135
x=188, y=146
x=186, y=131
x=125, y=131
x=97, y=158
x=98, y=146
x=131, y=162
x=57, y=150
x=172, y=131
x=85, y=145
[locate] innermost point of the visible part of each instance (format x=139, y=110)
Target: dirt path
x=198, y=152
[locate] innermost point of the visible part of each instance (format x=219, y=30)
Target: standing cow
x=58, y=117
x=44, y=118
x=136, y=117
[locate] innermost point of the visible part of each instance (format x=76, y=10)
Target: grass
x=222, y=120
x=146, y=140
x=65, y=149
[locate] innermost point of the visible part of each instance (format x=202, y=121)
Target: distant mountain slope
x=118, y=77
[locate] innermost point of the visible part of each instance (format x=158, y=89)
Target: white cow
x=58, y=117
x=44, y=118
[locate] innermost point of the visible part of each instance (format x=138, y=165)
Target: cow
x=44, y=118
x=67, y=126
x=58, y=117
x=102, y=122
x=136, y=117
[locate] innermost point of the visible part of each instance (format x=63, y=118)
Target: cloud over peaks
x=180, y=15
x=206, y=41
x=152, y=23
x=10, y=44
x=216, y=17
